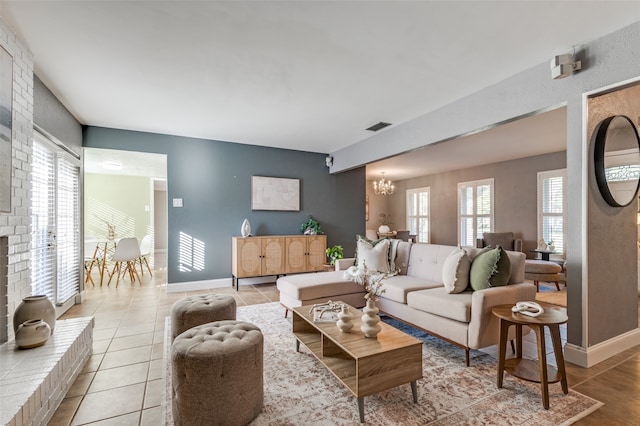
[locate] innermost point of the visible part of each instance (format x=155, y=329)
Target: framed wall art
x=6, y=97
x=272, y=193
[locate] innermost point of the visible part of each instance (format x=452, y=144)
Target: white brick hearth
x=33, y=382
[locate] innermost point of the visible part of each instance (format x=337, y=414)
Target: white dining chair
x=145, y=251
x=127, y=252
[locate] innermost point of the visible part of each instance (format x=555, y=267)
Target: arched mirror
x=617, y=160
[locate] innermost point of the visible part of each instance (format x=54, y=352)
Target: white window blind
x=418, y=213
x=475, y=210
x=43, y=264
x=551, y=208
x=68, y=229
x=55, y=219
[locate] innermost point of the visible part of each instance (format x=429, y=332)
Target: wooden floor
x=121, y=384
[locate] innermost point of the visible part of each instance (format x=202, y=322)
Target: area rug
x=298, y=390
x=549, y=293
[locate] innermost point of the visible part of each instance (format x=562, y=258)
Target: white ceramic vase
x=345, y=319
x=35, y=307
x=370, y=320
x=245, y=229
x=384, y=229
x=32, y=333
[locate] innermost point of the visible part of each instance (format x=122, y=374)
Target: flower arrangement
x=370, y=280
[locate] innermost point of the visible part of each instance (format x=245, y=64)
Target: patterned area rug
x=298, y=390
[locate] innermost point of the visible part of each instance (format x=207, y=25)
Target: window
x=552, y=187
x=418, y=213
x=475, y=210
x=55, y=221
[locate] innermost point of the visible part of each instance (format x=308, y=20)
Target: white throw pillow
x=455, y=271
x=375, y=256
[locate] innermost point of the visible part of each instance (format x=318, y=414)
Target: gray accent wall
x=515, y=197
x=52, y=116
x=213, y=178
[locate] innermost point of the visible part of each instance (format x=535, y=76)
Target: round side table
x=527, y=369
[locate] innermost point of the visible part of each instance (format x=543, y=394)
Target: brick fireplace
x=32, y=381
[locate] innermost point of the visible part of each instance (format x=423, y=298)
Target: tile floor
x=121, y=384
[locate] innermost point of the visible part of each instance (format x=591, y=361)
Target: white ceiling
x=132, y=163
x=304, y=75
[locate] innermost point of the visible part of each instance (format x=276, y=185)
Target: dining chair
x=90, y=259
x=127, y=252
x=145, y=251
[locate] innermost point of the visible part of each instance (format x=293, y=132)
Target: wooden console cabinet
x=277, y=255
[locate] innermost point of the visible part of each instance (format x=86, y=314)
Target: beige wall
x=515, y=186
x=121, y=200
x=612, y=276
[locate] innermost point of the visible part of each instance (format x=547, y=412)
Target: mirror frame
x=600, y=135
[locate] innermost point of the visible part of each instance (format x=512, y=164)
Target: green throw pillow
x=490, y=268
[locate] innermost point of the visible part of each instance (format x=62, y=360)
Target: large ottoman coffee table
x=364, y=365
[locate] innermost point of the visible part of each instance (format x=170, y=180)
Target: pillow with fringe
x=490, y=268
x=455, y=271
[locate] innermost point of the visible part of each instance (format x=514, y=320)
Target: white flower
x=370, y=280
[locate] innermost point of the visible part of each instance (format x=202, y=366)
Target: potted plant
x=334, y=253
x=385, y=223
x=311, y=227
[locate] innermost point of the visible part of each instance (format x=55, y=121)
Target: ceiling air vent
x=378, y=126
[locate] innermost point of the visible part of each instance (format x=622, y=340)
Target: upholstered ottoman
x=542, y=270
x=196, y=310
x=216, y=374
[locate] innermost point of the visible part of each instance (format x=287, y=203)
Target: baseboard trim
x=198, y=285
x=597, y=353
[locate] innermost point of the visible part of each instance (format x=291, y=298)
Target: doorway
x=125, y=195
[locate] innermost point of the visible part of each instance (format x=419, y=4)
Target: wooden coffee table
x=364, y=365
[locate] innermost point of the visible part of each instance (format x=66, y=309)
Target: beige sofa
x=417, y=295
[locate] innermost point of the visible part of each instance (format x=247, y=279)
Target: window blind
x=551, y=208
x=475, y=210
x=418, y=213
x=55, y=220
x=68, y=229
x=43, y=265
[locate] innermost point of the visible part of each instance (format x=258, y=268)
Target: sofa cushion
x=426, y=260
x=317, y=285
x=490, y=268
x=437, y=301
x=455, y=271
x=375, y=254
x=397, y=287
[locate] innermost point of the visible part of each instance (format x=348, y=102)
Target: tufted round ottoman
x=542, y=270
x=197, y=310
x=216, y=374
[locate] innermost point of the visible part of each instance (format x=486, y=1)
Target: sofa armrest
x=484, y=326
x=344, y=264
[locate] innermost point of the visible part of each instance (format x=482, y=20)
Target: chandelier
x=383, y=187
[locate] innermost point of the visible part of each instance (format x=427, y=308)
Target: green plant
x=311, y=227
x=385, y=219
x=334, y=253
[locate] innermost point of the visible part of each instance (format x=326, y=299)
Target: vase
x=370, y=320
x=245, y=229
x=35, y=307
x=32, y=333
x=345, y=319
x=384, y=229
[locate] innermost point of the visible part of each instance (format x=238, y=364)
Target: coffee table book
x=363, y=365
